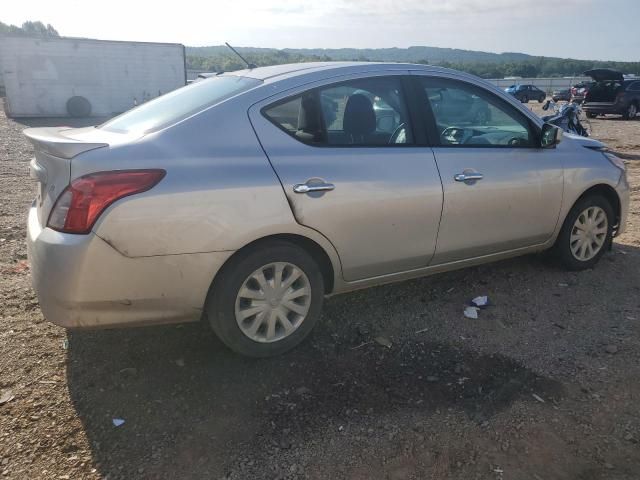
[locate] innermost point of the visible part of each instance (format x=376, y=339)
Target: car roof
x=292, y=70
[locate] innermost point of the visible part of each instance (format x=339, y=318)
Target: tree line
x=220, y=60
x=31, y=29
x=483, y=64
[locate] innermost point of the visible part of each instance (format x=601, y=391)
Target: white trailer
x=50, y=77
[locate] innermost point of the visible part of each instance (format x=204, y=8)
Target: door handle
x=465, y=177
x=316, y=187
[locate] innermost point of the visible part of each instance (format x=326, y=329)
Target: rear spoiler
x=50, y=140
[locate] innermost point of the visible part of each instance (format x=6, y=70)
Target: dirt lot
x=544, y=385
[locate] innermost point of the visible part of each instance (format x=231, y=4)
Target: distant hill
x=411, y=54
x=483, y=64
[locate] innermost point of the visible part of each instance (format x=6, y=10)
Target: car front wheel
x=266, y=301
x=586, y=233
x=525, y=99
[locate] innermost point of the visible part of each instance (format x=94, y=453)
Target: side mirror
x=551, y=136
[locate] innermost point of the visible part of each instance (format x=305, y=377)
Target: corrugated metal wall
x=40, y=75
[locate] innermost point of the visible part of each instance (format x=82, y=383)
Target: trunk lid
x=602, y=74
x=51, y=167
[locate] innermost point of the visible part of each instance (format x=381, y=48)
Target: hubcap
x=589, y=233
x=273, y=302
x=632, y=111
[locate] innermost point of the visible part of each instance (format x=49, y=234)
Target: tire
x=224, y=299
x=631, y=112
x=591, y=115
x=524, y=99
x=541, y=99
x=78, y=107
x=563, y=245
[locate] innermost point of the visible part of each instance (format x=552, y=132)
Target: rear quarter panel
x=220, y=192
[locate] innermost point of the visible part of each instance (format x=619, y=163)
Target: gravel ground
x=544, y=385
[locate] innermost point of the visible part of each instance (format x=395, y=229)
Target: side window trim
x=430, y=121
x=403, y=79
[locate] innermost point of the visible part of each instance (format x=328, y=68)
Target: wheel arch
x=608, y=192
x=313, y=248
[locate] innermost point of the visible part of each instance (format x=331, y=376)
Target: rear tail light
x=84, y=200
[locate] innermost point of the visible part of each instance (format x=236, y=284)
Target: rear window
x=179, y=104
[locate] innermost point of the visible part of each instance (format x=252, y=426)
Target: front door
x=347, y=159
x=501, y=191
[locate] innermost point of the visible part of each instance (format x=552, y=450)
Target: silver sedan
x=248, y=197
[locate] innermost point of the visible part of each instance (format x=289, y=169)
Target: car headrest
x=359, y=116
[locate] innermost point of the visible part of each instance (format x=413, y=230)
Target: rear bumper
x=82, y=282
x=603, y=108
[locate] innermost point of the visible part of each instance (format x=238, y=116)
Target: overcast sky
x=588, y=29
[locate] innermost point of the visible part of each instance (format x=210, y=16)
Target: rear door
x=352, y=169
x=501, y=192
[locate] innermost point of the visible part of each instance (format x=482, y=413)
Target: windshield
x=179, y=104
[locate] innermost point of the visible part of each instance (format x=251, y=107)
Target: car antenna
x=249, y=65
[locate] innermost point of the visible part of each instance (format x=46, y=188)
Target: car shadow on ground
x=190, y=405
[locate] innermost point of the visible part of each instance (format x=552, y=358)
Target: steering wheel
x=452, y=135
x=399, y=133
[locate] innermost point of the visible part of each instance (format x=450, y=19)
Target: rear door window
x=365, y=112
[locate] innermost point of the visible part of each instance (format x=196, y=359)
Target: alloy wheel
x=589, y=233
x=273, y=302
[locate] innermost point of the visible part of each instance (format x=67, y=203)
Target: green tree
x=30, y=28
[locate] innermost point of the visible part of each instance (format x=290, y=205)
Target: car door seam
x=289, y=202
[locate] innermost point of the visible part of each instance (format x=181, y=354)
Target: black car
x=612, y=93
x=524, y=93
x=560, y=95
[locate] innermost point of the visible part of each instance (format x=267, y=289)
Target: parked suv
x=524, y=93
x=611, y=93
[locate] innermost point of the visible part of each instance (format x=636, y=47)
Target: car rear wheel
x=541, y=98
x=266, y=300
x=631, y=112
x=586, y=233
